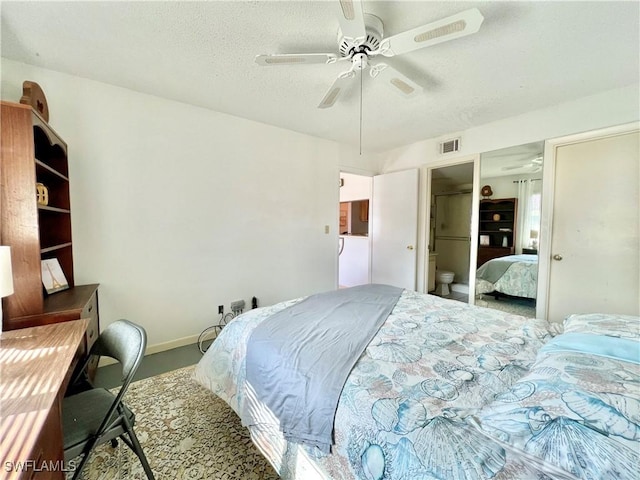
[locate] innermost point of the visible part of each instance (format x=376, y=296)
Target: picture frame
x=484, y=240
x=53, y=277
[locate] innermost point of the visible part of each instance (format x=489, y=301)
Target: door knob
x=409, y=247
x=557, y=257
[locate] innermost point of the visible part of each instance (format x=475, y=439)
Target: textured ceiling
x=527, y=55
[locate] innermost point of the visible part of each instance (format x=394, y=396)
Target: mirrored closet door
x=508, y=228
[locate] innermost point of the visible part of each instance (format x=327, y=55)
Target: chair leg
x=134, y=444
x=78, y=468
x=140, y=453
x=114, y=443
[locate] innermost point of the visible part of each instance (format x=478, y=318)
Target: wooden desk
x=35, y=368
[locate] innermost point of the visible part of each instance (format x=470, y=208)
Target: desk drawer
x=90, y=311
x=92, y=335
x=93, y=330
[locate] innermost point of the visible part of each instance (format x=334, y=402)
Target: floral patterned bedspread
x=402, y=411
x=519, y=280
x=578, y=409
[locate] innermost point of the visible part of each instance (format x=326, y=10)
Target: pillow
x=624, y=326
x=625, y=349
x=574, y=412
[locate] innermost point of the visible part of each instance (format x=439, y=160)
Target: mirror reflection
x=509, y=225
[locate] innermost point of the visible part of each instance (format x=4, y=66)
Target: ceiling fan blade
x=295, y=59
x=455, y=26
x=396, y=80
x=351, y=19
x=534, y=167
x=526, y=163
x=336, y=89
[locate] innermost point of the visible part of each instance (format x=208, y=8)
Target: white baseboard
x=157, y=348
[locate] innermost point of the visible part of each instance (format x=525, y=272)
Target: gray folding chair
x=96, y=416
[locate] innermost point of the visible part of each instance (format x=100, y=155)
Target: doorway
x=387, y=252
x=354, y=244
x=450, y=223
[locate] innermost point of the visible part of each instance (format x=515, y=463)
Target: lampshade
x=533, y=234
x=6, y=276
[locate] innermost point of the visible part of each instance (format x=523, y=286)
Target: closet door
x=594, y=250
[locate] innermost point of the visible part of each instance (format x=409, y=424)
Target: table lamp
x=533, y=235
x=6, y=276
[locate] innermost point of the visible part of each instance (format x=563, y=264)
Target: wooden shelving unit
x=32, y=152
x=498, y=222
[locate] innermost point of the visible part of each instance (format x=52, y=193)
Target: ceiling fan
x=361, y=39
x=533, y=164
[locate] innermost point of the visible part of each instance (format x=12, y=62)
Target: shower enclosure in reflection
x=450, y=230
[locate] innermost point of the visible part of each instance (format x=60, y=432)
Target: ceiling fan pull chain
x=361, y=75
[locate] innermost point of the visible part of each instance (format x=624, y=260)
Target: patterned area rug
x=186, y=432
x=518, y=306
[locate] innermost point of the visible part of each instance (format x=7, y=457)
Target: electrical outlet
x=221, y=309
x=237, y=305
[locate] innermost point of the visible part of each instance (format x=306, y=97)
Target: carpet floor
x=518, y=306
x=186, y=432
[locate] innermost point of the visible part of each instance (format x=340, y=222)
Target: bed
x=442, y=391
x=514, y=275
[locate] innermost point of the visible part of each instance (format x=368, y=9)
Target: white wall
x=177, y=209
x=614, y=107
x=356, y=187
x=352, y=160
x=506, y=186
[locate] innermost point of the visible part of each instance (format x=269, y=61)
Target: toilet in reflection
x=443, y=279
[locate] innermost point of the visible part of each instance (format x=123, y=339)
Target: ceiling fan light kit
x=361, y=39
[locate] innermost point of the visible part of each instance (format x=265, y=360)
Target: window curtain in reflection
x=525, y=219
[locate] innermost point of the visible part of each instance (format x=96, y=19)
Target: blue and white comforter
x=519, y=276
x=577, y=412
x=402, y=411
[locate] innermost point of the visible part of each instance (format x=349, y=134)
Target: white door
x=595, y=234
x=394, y=224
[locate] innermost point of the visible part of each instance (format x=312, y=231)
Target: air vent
x=450, y=146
